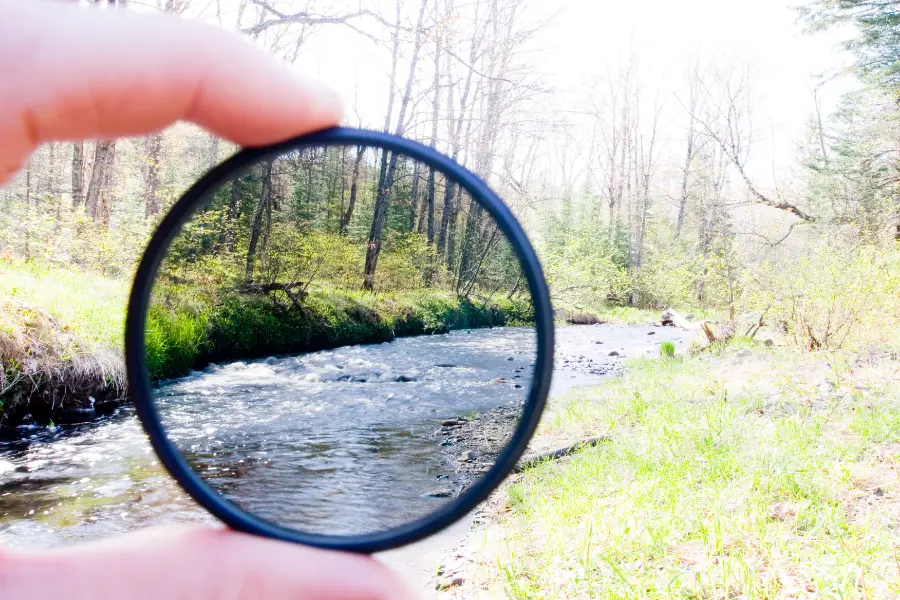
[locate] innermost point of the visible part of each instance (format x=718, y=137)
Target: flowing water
x=339, y=441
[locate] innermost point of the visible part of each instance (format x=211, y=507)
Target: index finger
x=71, y=73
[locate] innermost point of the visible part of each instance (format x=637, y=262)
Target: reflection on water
x=343, y=441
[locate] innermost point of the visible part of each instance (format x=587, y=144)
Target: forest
x=638, y=194
x=730, y=168
x=279, y=260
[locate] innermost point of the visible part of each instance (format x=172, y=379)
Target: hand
x=68, y=73
x=194, y=563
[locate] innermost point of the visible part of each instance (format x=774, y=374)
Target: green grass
x=92, y=305
x=667, y=349
x=713, y=486
x=188, y=330
x=192, y=327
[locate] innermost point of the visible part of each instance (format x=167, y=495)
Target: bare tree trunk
x=414, y=198
x=261, y=210
x=53, y=186
x=448, y=214
x=695, y=86
x=97, y=192
x=455, y=204
x=435, y=111
x=685, y=174
x=77, y=174
x=104, y=207
x=354, y=187
x=152, y=151
x=343, y=172
x=499, y=54
x=227, y=236
x=373, y=248
x=645, y=157
x=730, y=126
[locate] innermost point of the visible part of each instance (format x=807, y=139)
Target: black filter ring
x=139, y=385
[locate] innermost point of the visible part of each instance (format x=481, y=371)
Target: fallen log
x=294, y=291
x=534, y=461
x=670, y=318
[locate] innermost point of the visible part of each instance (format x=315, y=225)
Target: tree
x=152, y=159
x=729, y=125
x=77, y=174
x=98, y=198
x=262, y=218
x=877, y=46
x=695, y=88
x=389, y=164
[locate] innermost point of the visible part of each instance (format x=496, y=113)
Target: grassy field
x=757, y=473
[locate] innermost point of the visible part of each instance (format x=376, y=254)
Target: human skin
x=70, y=73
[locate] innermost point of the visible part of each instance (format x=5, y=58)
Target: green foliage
x=581, y=263
x=680, y=277
x=877, y=40
x=667, y=349
x=853, y=168
x=832, y=296
x=174, y=340
x=185, y=332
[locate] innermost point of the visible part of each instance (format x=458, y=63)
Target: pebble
x=768, y=342
x=613, y=353
x=651, y=333
x=452, y=422
x=446, y=583
x=438, y=494
x=466, y=456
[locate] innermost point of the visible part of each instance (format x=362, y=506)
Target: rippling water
x=340, y=438
x=342, y=441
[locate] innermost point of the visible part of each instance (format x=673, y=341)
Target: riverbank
x=189, y=335
x=755, y=472
x=61, y=334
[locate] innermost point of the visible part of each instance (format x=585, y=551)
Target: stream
x=339, y=441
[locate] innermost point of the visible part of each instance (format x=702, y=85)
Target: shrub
x=831, y=297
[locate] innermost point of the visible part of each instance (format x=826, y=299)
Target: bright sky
x=589, y=37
